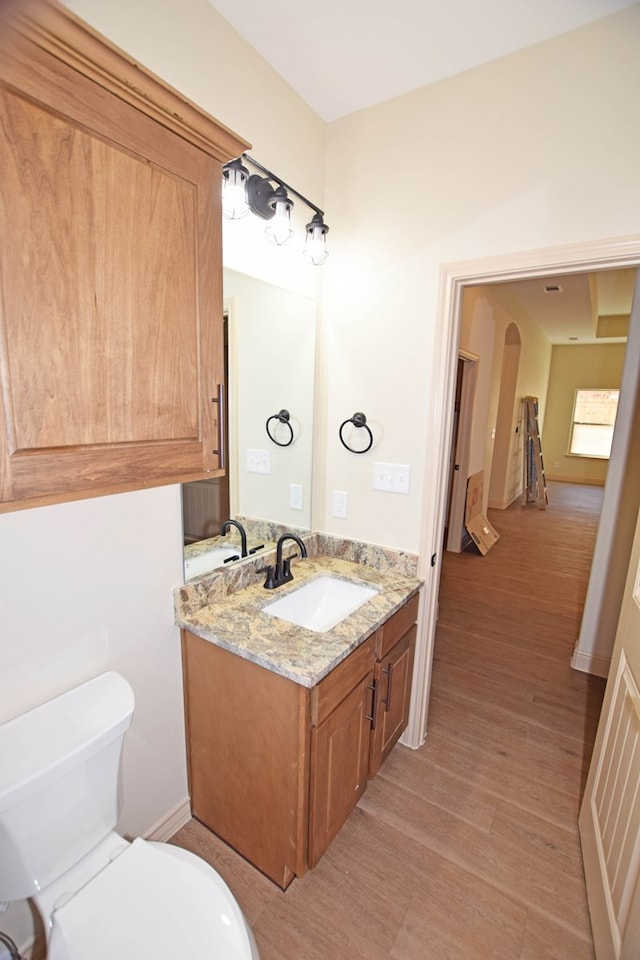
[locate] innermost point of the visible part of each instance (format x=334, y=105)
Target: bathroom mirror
x=270, y=338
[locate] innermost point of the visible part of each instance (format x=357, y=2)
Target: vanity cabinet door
x=339, y=763
x=393, y=694
x=110, y=268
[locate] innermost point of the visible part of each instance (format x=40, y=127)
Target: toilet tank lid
x=44, y=743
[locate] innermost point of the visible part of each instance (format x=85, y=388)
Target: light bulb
x=234, y=194
x=315, y=245
x=279, y=230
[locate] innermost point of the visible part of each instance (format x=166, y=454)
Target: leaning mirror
x=270, y=337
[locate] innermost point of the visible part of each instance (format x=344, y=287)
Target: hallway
x=467, y=848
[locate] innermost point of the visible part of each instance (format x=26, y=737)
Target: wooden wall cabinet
x=111, y=346
x=276, y=768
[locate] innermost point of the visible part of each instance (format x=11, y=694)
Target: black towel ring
x=282, y=417
x=358, y=420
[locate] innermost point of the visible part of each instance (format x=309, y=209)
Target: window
x=594, y=416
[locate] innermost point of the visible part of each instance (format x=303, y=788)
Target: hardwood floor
x=467, y=848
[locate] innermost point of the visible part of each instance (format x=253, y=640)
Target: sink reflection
x=198, y=564
x=320, y=604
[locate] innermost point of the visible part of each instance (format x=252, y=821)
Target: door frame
x=614, y=253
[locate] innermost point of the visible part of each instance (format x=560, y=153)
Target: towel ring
x=358, y=420
x=282, y=417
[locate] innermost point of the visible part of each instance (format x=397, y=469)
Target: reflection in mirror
x=270, y=336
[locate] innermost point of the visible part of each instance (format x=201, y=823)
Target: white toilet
x=99, y=895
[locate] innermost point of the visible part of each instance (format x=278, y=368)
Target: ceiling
x=402, y=45
x=343, y=55
x=574, y=308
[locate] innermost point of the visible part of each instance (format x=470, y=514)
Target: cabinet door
x=393, y=693
x=339, y=761
x=110, y=275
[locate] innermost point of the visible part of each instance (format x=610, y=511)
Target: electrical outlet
x=339, y=503
x=295, y=496
x=258, y=461
x=392, y=477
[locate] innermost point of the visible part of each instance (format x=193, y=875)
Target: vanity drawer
x=396, y=626
x=332, y=690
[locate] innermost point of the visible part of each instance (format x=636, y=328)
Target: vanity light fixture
x=267, y=196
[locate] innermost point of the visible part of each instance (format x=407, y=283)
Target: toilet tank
x=59, y=766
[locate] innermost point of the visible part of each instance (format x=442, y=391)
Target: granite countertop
x=237, y=622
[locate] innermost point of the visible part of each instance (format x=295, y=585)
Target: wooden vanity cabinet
x=395, y=648
x=276, y=768
x=261, y=750
x=111, y=346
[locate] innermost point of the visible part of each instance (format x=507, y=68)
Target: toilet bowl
x=100, y=896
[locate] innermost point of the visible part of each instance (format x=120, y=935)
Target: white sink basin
x=321, y=603
x=202, y=563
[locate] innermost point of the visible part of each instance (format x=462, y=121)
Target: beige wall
x=501, y=159
x=573, y=367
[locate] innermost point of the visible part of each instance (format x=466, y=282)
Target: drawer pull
x=374, y=703
x=389, y=672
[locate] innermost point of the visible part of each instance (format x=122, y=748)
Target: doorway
x=616, y=254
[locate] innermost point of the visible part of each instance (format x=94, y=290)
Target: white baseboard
x=169, y=824
x=590, y=663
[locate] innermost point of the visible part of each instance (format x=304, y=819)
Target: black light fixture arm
x=271, y=176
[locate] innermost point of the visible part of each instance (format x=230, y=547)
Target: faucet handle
x=270, y=582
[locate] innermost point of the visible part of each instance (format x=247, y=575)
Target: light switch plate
x=392, y=477
x=258, y=461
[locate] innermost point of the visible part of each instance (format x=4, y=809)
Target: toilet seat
x=153, y=900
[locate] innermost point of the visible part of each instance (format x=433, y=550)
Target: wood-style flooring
x=467, y=848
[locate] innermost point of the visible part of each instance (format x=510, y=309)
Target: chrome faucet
x=243, y=534
x=281, y=573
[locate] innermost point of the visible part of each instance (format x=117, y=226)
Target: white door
x=610, y=815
